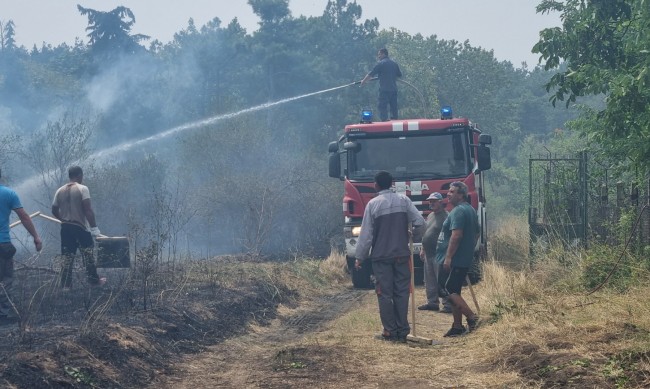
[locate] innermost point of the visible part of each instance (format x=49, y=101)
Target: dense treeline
x=256, y=181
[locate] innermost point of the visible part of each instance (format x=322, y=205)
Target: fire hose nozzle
x=360, y=81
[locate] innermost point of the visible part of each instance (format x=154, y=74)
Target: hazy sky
x=509, y=27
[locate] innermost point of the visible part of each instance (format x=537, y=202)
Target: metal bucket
x=113, y=252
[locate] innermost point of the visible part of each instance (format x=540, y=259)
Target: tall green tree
x=270, y=11
x=7, y=34
x=110, y=32
x=606, y=45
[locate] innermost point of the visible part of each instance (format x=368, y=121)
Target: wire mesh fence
x=576, y=201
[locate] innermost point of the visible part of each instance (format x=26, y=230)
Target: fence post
x=645, y=239
x=634, y=193
x=619, y=194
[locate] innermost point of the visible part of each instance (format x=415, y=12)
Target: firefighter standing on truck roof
x=388, y=71
x=385, y=229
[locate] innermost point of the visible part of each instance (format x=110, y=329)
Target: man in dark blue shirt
x=387, y=71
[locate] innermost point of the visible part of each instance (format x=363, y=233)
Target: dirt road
x=278, y=355
x=306, y=346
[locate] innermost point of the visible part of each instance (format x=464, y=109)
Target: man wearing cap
x=435, y=219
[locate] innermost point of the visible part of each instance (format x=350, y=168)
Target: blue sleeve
x=14, y=201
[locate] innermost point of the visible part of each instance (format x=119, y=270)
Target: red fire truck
x=423, y=155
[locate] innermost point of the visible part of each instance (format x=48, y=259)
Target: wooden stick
x=50, y=218
x=412, y=266
x=413, y=337
x=46, y=217
x=471, y=291
x=17, y=222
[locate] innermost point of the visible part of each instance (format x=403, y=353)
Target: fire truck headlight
x=356, y=231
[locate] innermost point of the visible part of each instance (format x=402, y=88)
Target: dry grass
x=334, y=267
x=509, y=242
x=541, y=329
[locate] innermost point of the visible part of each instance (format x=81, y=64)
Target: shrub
x=600, y=260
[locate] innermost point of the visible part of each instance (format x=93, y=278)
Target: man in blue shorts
x=460, y=232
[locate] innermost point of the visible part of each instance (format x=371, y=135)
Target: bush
x=600, y=260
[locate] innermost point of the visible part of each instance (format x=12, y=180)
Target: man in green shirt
x=460, y=232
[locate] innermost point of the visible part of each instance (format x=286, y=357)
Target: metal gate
x=557, y=210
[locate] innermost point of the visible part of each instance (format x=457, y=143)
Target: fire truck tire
x=361, y=278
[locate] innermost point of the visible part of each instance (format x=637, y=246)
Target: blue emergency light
x=445, y=113
x=366, y=116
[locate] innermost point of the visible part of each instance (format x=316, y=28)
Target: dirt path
x=273, y=356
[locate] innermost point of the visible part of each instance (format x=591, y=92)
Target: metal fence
x=576, y=201
x=620, y=213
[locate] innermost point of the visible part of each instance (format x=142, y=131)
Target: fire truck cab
x=423, y=156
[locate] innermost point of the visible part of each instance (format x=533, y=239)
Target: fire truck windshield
x=411, y=157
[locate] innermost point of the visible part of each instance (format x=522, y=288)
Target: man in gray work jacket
x=385, y=229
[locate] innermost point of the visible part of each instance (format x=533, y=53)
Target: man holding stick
x=385, y=229
x=460, y=233
x=71, y=205
x=9, y=201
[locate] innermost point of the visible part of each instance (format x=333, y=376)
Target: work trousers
x=431, y=270
x=73, y=238
x=387, y=98
x=7, y=251
x=392, y=284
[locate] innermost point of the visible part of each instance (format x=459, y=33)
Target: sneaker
x=401, y=339
x=453, y=331
x=472, y=324
x=427, y=307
